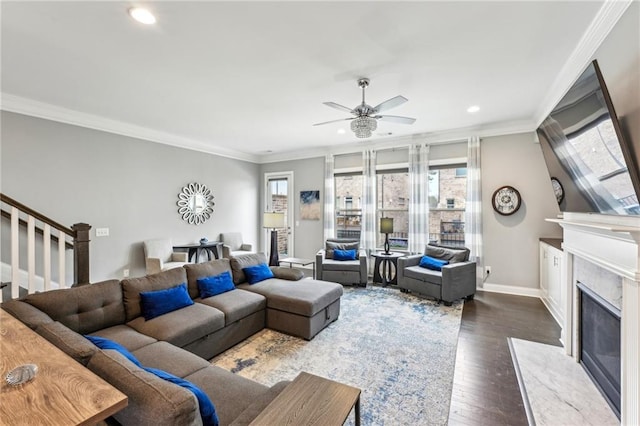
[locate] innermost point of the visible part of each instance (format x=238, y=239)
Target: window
x=447, y=199
x=393, y=193
x=348, y=189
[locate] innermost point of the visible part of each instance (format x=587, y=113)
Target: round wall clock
x=506, y=200
x=558, y=190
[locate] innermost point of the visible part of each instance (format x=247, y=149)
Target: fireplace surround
x=612, y=244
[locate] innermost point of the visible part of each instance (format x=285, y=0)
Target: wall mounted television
x=586, y=153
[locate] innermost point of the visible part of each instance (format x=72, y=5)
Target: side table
x=301, y=262
x=385, y=268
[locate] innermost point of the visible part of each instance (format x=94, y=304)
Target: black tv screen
x=589, y=162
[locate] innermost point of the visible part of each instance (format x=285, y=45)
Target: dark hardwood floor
x=485, y=388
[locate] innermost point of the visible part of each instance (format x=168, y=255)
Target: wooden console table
x=311, y=400
x=194, y=250
x=63, y=391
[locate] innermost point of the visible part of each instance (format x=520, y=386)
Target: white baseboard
x=509, y=289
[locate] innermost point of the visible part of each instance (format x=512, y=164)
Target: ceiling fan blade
x=334, y=121
x=390, y=103
x=395, y=119
x=338, y=106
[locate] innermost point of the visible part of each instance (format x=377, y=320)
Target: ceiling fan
x=365, y=117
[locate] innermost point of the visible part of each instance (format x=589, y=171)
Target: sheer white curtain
x=473, y=209
x=368, y=225
x=329, y=198
x=419, y=197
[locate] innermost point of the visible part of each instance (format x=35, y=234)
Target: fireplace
x=600, y=344
x=612, y=244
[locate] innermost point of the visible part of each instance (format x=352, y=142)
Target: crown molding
x=604, y=21
x=431, y=138
x=47, y=111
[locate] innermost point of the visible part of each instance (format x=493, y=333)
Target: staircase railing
x=53, y=234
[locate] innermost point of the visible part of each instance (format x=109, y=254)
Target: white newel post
x=611, y=243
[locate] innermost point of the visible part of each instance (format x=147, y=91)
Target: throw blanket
x=207, y=410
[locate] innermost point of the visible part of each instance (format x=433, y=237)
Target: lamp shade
x=273, y=220
x=386, y=225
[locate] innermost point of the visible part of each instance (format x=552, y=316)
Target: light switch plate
x=102, y=232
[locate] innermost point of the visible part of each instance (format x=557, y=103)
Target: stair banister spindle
x=15, y=253
x=31, y=252
x=62, y=279
x=46, y=246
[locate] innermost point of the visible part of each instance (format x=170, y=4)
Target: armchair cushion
x=452, y=254
x=344, y=254
x=179, y=257
x=233, y=240
x=431, y=263
x=331, y=245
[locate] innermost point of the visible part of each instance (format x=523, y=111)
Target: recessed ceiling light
x=474, y=108
x=341, y=131
x=142, y=15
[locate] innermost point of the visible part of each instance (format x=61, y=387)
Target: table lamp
x=386, y=228
x=273, y=220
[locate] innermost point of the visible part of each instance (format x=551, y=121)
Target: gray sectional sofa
x=180, y=342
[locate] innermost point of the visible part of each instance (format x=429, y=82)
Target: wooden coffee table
x=63, y=391
x=311, y=400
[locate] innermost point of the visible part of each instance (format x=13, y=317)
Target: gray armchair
x=232, y=245
x=159, y=256
x=344, y=272
x=456, y=280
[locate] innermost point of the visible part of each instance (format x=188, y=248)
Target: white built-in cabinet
x=550, y=278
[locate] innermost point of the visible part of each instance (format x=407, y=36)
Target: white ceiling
x=246, y=79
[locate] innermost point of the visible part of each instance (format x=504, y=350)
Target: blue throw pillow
x=432, y=263
x=156, y=303
x=207, y=409
x=345, y=254
x=257, y=273
x=215, y=284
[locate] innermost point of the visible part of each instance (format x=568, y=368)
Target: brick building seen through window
x=447, y=200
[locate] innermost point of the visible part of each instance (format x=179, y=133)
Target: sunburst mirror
x=195, y=203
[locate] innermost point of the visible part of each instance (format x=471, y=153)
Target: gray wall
x=511, y=242
x=73, y=174
x=308, y=175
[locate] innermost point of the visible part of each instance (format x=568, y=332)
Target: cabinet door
x=544, y=268
x=554, y=264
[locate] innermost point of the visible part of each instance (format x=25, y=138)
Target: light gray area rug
x=399, y=349
x=556, y=388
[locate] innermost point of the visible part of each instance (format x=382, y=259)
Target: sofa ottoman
x=301, y=308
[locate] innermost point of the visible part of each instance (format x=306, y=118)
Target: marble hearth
x=604, y=252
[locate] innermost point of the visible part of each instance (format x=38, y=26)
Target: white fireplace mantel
x=612, y=243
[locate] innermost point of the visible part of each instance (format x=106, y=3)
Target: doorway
x=279, y=199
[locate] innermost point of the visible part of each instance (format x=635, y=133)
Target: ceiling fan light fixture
x=363, y=126
x=142, y=15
